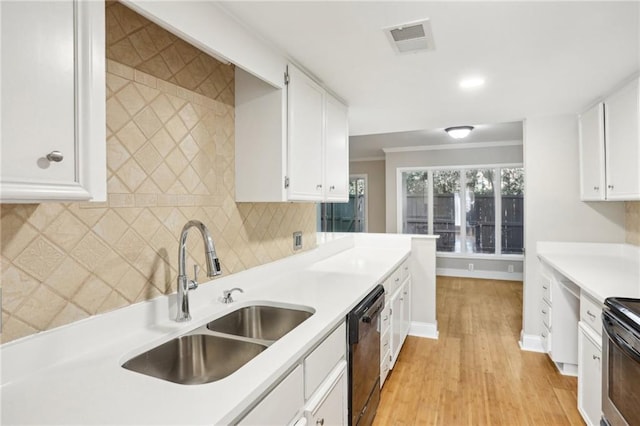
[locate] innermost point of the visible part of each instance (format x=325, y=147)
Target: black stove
x=626, y=310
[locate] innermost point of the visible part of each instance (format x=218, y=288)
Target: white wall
x=375, y=191
x=553, y=210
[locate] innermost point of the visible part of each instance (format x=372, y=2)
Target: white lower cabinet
x=400, y=319
x=315, y=391
x=329, y=404
x=281, y=405
x=395, y=319
x=559, y=316
x=589, y=375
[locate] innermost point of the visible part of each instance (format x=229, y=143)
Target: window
x=477, y=210
x=446, y=209
x=480, y=212
x=512, y=192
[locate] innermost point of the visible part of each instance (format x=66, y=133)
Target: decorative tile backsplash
x=632, y=222
x=170, y=158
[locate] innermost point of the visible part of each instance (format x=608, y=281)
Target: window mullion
x=463, y=211
x=497, y=193
x=431, y=209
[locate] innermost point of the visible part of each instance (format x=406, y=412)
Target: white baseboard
x=531, y=342
x=424, y=329
x=488, y=275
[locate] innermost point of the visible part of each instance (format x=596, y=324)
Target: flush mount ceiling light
x=459, y=132
x=471, y=82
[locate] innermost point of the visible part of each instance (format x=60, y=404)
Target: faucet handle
x=226, y=295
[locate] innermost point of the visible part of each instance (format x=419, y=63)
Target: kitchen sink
x=214, y=351
x=260, y=322
x=195, y=359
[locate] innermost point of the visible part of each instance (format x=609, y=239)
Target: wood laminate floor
x=475, y=373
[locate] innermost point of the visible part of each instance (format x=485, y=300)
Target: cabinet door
x=332, y=409
x=623, y=144
x=53, y=101
x=406, y=309
x=305, y=109
x=589, y=377
x=336, y=182
x=38, y=90
x=396, y=325
x=281, y=405
x=592, y=176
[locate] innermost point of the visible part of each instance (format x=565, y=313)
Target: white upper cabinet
x=53, y=101
x=610, y=147
x=291, y=144
x=592, y=176
x=336, y=156
x=622, y=142
x=305, y=109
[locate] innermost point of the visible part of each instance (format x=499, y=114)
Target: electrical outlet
x=471, y=266
x=510, y=268
x=297, y=240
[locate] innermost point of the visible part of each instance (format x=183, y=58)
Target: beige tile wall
x=170, y=159
x=632, y=222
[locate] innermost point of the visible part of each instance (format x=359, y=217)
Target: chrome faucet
x=184, y=284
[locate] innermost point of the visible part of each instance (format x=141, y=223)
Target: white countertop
x=73, y=374
x=602, y=270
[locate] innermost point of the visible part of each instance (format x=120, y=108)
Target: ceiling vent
x=412, y=37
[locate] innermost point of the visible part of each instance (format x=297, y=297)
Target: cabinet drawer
x=546, y=289
x=385, y=318
x=392, y=283
x=591, y=313
x=545, y=310
x=405, y=272
x=319, y=363
x=281, y=405
x=545, y=336
x=385, y=366
x=384, y=343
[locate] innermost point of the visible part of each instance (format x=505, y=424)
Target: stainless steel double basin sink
x=219, y=348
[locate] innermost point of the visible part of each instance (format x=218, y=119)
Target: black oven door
x=621, y=372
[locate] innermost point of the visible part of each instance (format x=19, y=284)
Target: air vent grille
x=407, y=33
x=411, y=37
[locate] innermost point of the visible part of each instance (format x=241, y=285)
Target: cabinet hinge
x=286, y=78
x=286, y=182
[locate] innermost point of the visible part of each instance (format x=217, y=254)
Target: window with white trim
x=473, y=210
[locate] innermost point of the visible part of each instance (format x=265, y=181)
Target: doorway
x=350, y=216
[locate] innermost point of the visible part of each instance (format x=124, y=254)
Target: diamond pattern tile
x=139, y=43
x=170, y=158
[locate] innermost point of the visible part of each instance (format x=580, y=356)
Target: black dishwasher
x=363, y=324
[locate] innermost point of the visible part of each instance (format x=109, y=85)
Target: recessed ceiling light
x=459, y=132
x=471, y=82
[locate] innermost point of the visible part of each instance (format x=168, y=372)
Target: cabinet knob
x=55, y=156
x=332, y=187
x=596, y=357
x=592, y=315
x=596, y=188
x=320, y=422
x=544, y=312
x=610, y=186
x=319, y=186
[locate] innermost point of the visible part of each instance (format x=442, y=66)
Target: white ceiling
x=370, y=146
x=538, y=58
